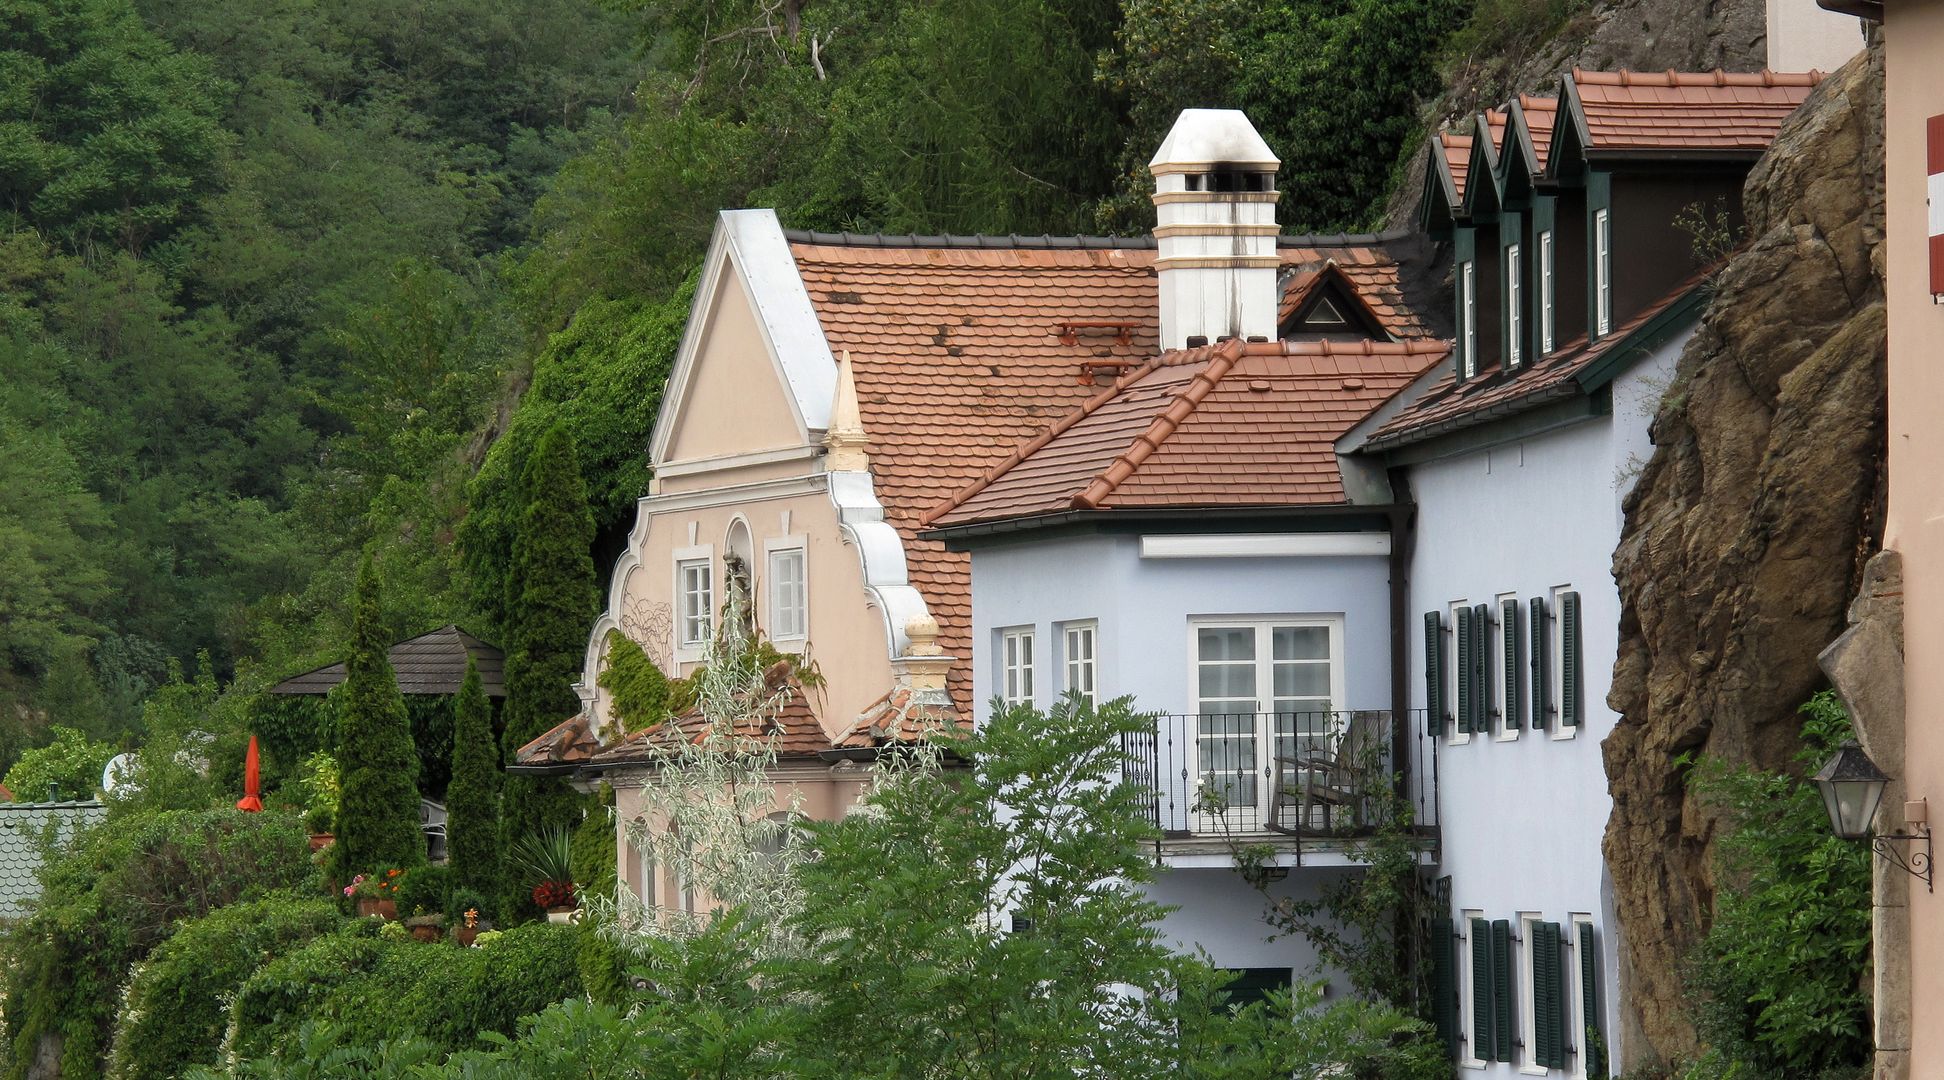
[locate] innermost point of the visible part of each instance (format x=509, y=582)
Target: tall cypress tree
x=378, y=813
x=550, y=606
x=472, y=802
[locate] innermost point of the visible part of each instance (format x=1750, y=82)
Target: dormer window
x=1468, y=319
x=1514, y=310
x=1545, y=292
x=1602, y=272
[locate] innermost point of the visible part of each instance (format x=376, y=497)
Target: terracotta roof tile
x=1235, y=424
x=904, y=715
x=564, y=745
x=1537, y=115
x=1457, y=156
x=1706, y=111
x=958, y=357
x=1449, y=405
x=794, y=730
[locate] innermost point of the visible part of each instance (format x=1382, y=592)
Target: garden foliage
x=114, y=894
x=378, y=806
x=69, y=766
x=472, y=802
x=173, y=1015
x=1781, y=981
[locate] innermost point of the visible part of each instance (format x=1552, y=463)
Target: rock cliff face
x=1747, y=532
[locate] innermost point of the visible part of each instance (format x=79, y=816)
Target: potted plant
x=465, y=917
x=376, y=894
x=547, y=858
x=317, y=785
x=426, y=927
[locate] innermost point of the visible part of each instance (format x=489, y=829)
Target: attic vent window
x=1325, y=314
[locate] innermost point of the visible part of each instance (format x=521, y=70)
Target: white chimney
x=1215, y=223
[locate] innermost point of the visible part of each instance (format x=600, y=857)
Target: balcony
x=1307, y=785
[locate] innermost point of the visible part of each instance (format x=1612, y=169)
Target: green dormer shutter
x=1433, y=673
x=1509, y=644
x=1502, y=990
x=1541, y=642
x=1464, y=676
x=1481, y=671
x=1572, y=690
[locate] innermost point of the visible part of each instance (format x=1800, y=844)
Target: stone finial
x=845, y=439
x=923, y=632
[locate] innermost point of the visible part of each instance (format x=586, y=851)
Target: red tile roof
x=1382, y=311
x=957, y=353
x=6, y=795
x=904, y=715
x=793, y=730
x=564, y=745
x=1675, y=111
x=1449, y=405
x=1537, y=115
x=1235, y=424
x=1457, y=157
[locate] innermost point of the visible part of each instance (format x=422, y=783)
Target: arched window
x=738, y=573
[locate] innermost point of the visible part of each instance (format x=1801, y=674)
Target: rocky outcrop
x=1748, y=531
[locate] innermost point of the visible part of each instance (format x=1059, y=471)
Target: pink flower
x=348, y=888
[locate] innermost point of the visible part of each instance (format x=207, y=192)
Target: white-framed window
x=1556, y=631
x=1514, y=306
x=1456, y=692
x=1576, y=1048
x=1545, y=292
x=1505, y=670
x=1602, y=271
x=1528, y=954
x=1468, y=317
x=1016, y=665
x=1078, y=656
x=1264, y=688
x=1468, y=977
x=694, y=601
x=789, y=607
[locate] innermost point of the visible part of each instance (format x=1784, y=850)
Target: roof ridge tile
x=1221, y=360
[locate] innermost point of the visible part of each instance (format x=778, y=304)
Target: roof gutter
x=954, y=534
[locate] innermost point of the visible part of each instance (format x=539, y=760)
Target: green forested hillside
x=285, y=281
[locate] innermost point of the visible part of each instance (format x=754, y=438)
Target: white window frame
x=1505, y=731
x=1528, y=1038
x=1456, y=737
x=1603, y=271
x=1514, y=307
x=1080, y=668
x=687, y=650
x=1545, y=292
x=1467, y=992
x=1556, y=667
x=774, y=550
x=1016, y=681
x=1575, y=998
x=1265, y=627
x=1468, y=314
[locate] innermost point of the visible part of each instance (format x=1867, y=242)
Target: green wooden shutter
x=1509, y=643
x=1591, y=1042
x=1502, y=990
x=1571, y=675
x=1482, y=669
x=1548, y=996
x=1464, y=677
x=1434, y=673
x=1541, y=644
x=1444, y=982
x=1483, y=1030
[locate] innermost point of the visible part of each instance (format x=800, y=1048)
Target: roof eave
x=955, y=534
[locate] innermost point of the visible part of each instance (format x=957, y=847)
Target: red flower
x=553, y=894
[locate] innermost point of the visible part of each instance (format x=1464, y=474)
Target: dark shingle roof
x=433, y=663
x=21, y=826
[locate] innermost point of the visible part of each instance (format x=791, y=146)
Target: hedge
x=173, y=1015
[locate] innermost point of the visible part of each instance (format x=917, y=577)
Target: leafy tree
x=70, y=766
x=551, y=604
x=472, y=802
x=106, y=133
x=378, y=809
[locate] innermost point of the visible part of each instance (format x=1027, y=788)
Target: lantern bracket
x=1916, y=863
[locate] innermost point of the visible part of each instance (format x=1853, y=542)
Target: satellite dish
x=120, y=770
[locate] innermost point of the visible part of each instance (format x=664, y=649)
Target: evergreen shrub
x=173, y=1015
x=422, y=890
x=472, y=802
x=378, y=807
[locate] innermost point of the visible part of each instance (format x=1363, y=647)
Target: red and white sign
x=1934, y=132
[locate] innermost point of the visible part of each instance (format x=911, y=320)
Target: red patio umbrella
x=250, y=803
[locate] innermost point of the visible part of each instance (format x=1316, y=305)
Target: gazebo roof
x=433, y=663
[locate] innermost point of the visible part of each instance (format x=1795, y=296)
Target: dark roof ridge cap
x=1014, y=241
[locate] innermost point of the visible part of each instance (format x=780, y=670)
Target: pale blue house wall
x=1143, y=607
x=1523, y=819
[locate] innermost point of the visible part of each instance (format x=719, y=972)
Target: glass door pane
x=1300, y=674
x=1226, y=739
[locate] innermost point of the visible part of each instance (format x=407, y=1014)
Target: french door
x=1264, y=689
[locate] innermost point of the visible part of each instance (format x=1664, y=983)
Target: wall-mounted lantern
x=1852, y=789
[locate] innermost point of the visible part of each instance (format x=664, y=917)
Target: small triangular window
x=1325, y=314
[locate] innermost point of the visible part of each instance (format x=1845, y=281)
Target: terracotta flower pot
x=427, y=933
x=320, y=840
x=465, y=935
x=371, y=905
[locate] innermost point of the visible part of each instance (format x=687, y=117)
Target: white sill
x=1533, y=1070
x=1505, y=732
x=1562, y=732
x=1460, y=738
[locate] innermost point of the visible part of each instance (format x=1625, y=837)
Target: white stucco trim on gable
x=750, y=244
x=880, y=550
x=1263, y=545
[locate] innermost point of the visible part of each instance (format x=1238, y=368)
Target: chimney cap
x=1213, y=137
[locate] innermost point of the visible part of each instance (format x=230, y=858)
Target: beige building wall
x=1804, y=37
x=1914, y=90
x=737, y=404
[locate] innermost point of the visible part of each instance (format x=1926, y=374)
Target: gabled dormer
x=1321, y=303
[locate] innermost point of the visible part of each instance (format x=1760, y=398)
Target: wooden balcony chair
x=1321, y=785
